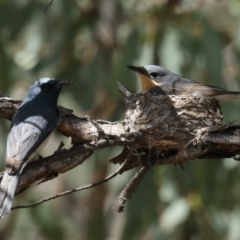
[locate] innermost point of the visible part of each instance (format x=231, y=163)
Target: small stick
x=49, y=4
x=130, y=188
x=81, y=188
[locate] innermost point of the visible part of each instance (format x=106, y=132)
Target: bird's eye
x=153, y=74
x=44, y=86
x=157, y=74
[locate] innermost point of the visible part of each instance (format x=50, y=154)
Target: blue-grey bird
x=158, y=80
x=31, y=127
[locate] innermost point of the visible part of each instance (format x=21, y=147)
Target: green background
x=92, y=42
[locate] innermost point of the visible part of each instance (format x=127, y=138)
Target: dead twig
x=49, y=4
x=163, y=129
x=118, y=171
x=130, y=188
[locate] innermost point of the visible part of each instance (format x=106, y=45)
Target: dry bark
x=160, y=129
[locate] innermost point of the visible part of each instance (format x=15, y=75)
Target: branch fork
x=154, y=130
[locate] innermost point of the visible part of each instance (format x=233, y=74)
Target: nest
x=171, y=122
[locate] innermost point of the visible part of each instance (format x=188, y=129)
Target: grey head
x=160, y=74
x=45, y=90
x=156, y=79
x=153, y=77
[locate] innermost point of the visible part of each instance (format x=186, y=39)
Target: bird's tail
x=7, y=189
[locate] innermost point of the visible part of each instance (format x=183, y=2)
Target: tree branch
x=76, y=189
x=130, y=188
x=163, y=129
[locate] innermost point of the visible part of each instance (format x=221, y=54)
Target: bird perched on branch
x=158, y=80
x=31, y=127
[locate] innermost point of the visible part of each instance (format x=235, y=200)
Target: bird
x=158, y=80
x=31, y=127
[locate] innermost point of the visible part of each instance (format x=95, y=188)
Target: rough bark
x=162, y=130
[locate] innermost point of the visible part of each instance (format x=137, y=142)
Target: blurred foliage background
x=92, y=42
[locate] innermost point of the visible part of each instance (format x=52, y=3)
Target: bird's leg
x=60, y=147
x=40, y=157
x=101, y=133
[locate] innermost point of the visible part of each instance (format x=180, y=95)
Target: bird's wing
x=183, y=85
x=25, y=138
x=207, y=90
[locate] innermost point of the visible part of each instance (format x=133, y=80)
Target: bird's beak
x=62, y=83
x=146, y=80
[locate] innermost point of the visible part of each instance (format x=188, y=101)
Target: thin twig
x=49, y=4
x=81, y=188
x=123, y=90
x=130, y=188
x=70, y=191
